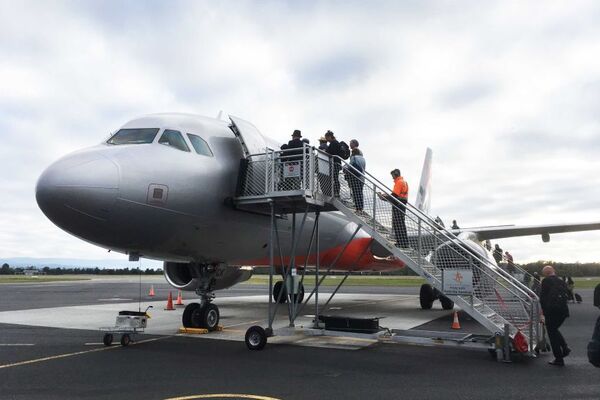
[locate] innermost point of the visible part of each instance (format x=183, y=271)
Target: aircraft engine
x=452, y=255
x=204, y=278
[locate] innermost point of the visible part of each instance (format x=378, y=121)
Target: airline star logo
x=458, y=278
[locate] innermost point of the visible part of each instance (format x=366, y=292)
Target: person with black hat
x=291, y=156
x=293, y=152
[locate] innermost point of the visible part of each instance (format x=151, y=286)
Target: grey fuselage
x=106, y=195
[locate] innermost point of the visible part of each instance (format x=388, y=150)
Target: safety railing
x=411, y=236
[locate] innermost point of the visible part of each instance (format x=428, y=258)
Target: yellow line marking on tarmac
x=38, y=360
x=223, y=396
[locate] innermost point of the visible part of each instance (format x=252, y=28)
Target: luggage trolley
x=128, y=324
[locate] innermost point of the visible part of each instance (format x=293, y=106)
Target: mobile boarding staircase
x=286, y=182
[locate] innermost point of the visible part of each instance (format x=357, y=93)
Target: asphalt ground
x=53, y=363
x=26, y=296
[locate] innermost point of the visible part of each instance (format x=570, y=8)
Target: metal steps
x=428, y=249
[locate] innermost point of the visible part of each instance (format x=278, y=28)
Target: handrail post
x=311, y=181
x=303, y=168
x=374, y=205
x=332, y=171
x=419, y=245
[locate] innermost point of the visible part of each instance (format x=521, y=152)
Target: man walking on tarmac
x=553, y=299
x=398, y=198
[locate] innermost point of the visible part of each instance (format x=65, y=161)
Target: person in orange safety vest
x=398, y=197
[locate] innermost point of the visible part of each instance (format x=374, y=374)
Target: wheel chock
x=198, y=331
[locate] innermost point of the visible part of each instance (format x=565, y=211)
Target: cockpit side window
x=133, y=136
x=200, y=145
x=173, y=139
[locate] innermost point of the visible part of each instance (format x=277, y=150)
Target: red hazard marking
x=347, y=261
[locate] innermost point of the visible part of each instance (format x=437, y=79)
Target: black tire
x=186, y=318
x=125, y=339
x=256, y=338
x=210, y=317
x=299, y=298
x=279, y=287
x=447, y=304
x=107, y=339
x=426, y=296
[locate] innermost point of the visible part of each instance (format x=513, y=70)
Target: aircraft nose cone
x=78, y=190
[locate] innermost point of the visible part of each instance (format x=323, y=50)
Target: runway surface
x=43, y=357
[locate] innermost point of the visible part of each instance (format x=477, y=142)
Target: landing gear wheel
x=279, y=287
x=206, y=316
x=210, y=317
x=186, y=319
x=447, y=304
x=125, y=339
x=299, y=297
x=256, y=338
x=426, y=296
x=107, y=339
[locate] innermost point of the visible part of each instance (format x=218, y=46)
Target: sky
x=506, y=93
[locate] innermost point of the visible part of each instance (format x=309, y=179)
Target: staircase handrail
x=443, y=231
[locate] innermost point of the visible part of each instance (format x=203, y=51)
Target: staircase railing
x=406, y=232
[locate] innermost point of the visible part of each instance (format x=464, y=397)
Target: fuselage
x=167, y=199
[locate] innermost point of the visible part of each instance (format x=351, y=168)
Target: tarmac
x=50, y=348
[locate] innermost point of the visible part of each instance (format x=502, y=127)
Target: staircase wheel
x=256, y=338
x=426, y=296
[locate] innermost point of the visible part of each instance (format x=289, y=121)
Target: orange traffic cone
x=170, y=303
x=151, y=293
x=179, y=301
x=455, y=323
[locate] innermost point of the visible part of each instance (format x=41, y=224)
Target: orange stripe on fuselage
x=348, y=260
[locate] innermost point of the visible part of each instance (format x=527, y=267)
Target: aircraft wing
x=506, y=231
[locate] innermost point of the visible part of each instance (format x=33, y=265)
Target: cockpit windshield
x=133, y=136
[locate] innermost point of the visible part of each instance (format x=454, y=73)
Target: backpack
x=344, y=150
x=559, y=295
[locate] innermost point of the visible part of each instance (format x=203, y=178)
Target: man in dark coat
x=497, y=254
x=293, y=147
x=334, y=149
x=553, y=299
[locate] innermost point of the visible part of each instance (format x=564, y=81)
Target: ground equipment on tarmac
x=127, y=324
x=270, y=185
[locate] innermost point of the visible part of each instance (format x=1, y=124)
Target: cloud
x=506, y=94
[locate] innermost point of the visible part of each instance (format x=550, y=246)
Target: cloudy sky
x=507, y=94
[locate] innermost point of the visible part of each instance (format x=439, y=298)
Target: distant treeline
x=8, y=270
x=565, y=269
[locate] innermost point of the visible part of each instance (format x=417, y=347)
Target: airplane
x=161, y=187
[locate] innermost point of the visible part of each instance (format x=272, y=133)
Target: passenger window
x=200, y=145
x=174, y=139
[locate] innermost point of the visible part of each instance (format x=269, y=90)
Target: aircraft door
x=252, y=141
